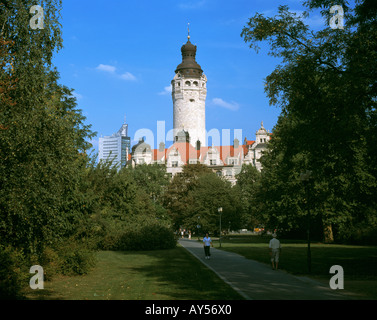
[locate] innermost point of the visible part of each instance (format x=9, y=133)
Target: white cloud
x=227, y=105
x=106, y=68
x=128, y=76
x=167, y=90
x=78, y=96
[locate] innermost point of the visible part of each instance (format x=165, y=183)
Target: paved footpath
x=257, y=281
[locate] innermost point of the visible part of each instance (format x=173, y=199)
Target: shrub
x=75, y=259
x=146, y=233
x=361, y=235
x=51, y=261
x=13, y=272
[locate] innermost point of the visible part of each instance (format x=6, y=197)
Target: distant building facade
x=226, y=161
x=115, y=148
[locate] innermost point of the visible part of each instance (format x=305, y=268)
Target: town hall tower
x=189, y=92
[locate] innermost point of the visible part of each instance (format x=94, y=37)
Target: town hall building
x=189, y=92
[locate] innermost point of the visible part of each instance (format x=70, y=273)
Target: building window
x=212, y=162
x=218, y=173
x=188, y=83
x=232, y=161
x=174, y=164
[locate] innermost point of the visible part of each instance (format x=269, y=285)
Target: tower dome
x=189, y=67
x=262, y=135
x=182, y=136
x=141, y=147
x=262, y=130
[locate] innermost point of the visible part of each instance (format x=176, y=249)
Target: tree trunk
x=327, y=233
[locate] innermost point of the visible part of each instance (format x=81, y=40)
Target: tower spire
x=189, y=66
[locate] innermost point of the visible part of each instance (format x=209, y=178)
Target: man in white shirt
x=275, y=249
x=207, y=242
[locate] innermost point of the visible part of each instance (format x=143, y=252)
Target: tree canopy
x=325, y=86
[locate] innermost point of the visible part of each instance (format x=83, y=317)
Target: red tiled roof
x=250, y=142
x=187, y=151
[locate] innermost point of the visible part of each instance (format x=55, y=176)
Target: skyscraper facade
x=115, y=148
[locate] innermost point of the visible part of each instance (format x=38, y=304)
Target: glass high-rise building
x=115, y=148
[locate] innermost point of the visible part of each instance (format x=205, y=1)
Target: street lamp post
x=220, y=210
x=305, y=177
x=198, y=227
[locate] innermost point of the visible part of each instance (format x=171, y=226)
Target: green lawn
x=359, y=262
x=150, y=275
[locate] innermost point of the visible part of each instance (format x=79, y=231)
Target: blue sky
x=120, y=57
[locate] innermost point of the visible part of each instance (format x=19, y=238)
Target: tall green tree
x=247, y=183
x=211, y=193
x=328, y=107
x=194, y=196
x=152, y=178
x=43, y=146
x=178, y=196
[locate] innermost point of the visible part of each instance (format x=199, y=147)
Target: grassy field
x=359, y=262
x=150, y=275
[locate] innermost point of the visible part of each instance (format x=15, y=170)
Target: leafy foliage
x=326, y=88
x=12, y=272
x=194, y=196
x=146, y=233
x=43, y=141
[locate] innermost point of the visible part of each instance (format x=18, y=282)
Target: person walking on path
x=275, y=249
x=207, y=243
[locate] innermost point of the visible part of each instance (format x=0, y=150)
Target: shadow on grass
x=181, y=277
x=146, y=275
x=44, y=294
x=357, y=261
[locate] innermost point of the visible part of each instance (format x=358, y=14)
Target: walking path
x=254, y=280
